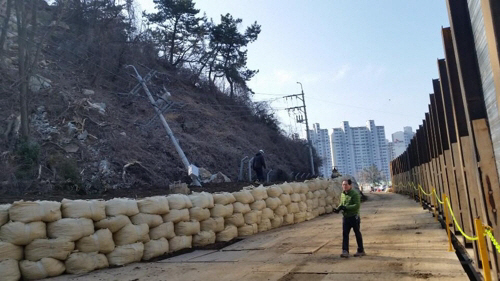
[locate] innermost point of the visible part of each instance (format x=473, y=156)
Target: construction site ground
x=402, y=242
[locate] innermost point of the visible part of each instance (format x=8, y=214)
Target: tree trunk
x=5, y=27
x=23, y=75
x=172, y=42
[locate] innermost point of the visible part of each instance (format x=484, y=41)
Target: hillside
x=89, y=134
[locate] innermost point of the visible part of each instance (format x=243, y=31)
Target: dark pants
x=353, y=222
x=260, y=174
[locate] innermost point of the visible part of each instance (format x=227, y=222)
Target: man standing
x=350, y=201
x=259, y=164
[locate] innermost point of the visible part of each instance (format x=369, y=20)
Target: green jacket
x=352, y=201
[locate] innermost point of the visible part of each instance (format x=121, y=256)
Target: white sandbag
x=322, y=193
x=245, y=230
x=47, y=211
x=179, y=202
x=149, y=219
x=295, y=187
x=244, y=196
x=202, y=200
x=156, y=205
x=46, y=267
x=180, y=242
x=302, y=206
x=315, y=212
x=309, y=216
x=113, y=223
x=264, y=225
x=312, y=185
x=176, y=215
x=299, y=217
x=321, y=210
x=258, y=205
x=224, y=198
x=322, y=202
x=187, y=228
x=48, y=248
x=315, y=203
x=229, y=233
x=130, y=234
x=329, y=200
x=79, y=263
x=276, y=221
x=317, y=194
x=221, y=210
x=101, y=241
x=204, y=238
x=121, y=206
x=303, y=197
x=212, y=224
x=293, y=208
x=255, y=228
x=285, y=199
x=267, y=213
x=281, y=210
x=295, y=197
x=274, y=191
x=199, y=214
x=273, y=202
x=4, y=213
x=310, y=195
x=288, y=219
x=10, y=251
x=259, y=193
x=253, y=217
x=21, y=234
x=155, y=248
x=10, y=270
x=328, y=209
x=164, y=230
x=304, y=188
x=126, y=254
x=70, y=229
x=310, y=205
x=287, y=189
x=239, y=207
x=90, y=209
x=235, y=219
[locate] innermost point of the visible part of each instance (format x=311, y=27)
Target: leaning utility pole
x=192, y=169
x=302, y=119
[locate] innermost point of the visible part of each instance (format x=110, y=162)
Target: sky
x=357, y=60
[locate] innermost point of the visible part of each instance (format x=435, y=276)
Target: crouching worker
x=350, y=202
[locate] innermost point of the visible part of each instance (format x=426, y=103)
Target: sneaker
x=360, y=254
x=345, y=254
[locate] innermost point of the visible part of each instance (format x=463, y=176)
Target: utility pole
x=192, y=169
x=302, y=119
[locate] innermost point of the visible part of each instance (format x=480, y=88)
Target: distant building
x=321, y=142
x=400, y=141
x=356, y=148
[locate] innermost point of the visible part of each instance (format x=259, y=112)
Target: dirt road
x=402, y=241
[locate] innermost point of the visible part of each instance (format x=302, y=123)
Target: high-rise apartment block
x=321, y=142
x=356, y=148
x=400, y=141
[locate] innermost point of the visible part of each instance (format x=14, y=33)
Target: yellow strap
x=492, y=238
x=458, y=225
x=427, y=194
x=440, y=202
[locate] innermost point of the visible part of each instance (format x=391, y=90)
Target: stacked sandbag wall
x=43, y=238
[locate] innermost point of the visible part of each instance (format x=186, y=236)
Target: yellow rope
x=440, y=202
x=492, y=238
x=427, y=194
x=458, y=225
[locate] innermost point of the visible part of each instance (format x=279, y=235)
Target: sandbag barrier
x=42, y=239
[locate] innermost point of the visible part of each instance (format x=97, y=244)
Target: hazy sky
x=357, y=60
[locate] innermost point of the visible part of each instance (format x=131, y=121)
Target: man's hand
x=339, y=208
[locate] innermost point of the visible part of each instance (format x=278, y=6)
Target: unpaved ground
x=403, y=242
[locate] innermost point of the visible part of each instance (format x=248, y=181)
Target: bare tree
x=5, y=27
